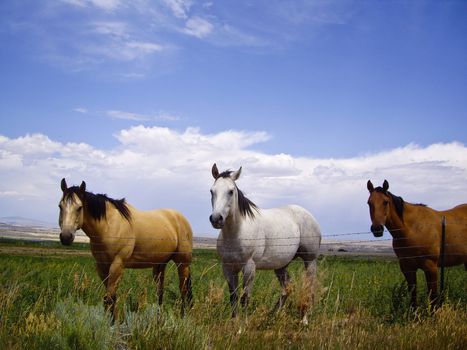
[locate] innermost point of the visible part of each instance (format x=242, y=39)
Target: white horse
x=253, y=238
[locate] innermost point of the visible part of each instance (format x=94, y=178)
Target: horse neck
x=91, y=227
x=233, y=222
x=395, y=224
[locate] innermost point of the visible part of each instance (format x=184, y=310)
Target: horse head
x=224, y=195
x=378, y=202
x=71, y=211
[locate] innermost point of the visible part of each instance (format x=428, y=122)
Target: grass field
x=51, y=298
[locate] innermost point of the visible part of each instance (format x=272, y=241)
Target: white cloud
x=34, y=144
x=144, y=47
x=163, y=167
x=111, y=28
x=141, y=117
x=179, y=8
x=198, y=27
x=116, y=41
x=81, y=110
x=107, y=5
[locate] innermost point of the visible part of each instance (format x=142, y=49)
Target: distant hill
x=20, y=221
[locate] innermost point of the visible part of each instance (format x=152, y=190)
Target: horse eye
x=80, y=208
x=230, y=192
x=385, y=203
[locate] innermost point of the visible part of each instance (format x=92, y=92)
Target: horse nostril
x=377, y=230
x=66, y=239
x=216, y=220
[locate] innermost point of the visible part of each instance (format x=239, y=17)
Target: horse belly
x=456, y=244
x=454, y=257
x=148, y=253
x=282, y=239
x=278, y=255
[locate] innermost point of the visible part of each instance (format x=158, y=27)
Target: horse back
x=163, y=233
x=423, y=231
x=308, y=225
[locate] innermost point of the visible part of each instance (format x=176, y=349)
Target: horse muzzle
x=217, y=221
x=66, y=238
x=377, y=230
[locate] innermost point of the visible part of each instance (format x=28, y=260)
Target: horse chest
x=236, y=251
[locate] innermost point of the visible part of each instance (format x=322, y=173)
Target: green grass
x=54, y=301
x=9, y=242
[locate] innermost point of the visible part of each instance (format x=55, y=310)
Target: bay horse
x=252, y=238
x=124, y=237
x=416, y=231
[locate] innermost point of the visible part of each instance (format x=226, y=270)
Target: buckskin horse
x=416, y=231
x=124, y=237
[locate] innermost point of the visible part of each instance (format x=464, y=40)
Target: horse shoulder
x=422, y=234
x=115, y=229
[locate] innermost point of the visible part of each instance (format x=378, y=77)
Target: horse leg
x=184, y=279
x=158, y=273
x=103, y=272
x=249, y=270
x=310, y=276
x=431, y=276
x=232, y=280
x=284, y=280
x=114, y=276
x=410, y=275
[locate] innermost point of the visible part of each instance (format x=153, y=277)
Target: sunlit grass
x=56, y=302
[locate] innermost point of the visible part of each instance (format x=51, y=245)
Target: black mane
x=398, y=202
x=246, y=206
x=95, y=203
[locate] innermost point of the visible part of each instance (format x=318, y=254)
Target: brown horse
x=416, y=231
x=122, y=236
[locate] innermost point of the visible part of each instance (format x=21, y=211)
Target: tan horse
x=122, y=236
x=416, y=231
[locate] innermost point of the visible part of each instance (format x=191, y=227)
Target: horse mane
x=398, y=202
x=95, y=203
x=245, y=205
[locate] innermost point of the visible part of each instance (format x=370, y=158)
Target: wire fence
x=281, y=245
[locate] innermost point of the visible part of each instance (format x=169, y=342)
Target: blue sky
x=309, y=96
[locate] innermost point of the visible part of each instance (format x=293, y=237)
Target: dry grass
x=353, y=304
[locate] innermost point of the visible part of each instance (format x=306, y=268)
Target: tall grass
x=55, y=302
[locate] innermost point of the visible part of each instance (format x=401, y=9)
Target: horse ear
x=63, y=185
x=82, y=187
x=215, y=171
x=385, y=185
x=236, y=174
x=370, y=186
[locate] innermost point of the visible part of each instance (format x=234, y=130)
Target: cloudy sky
x=313, y=98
